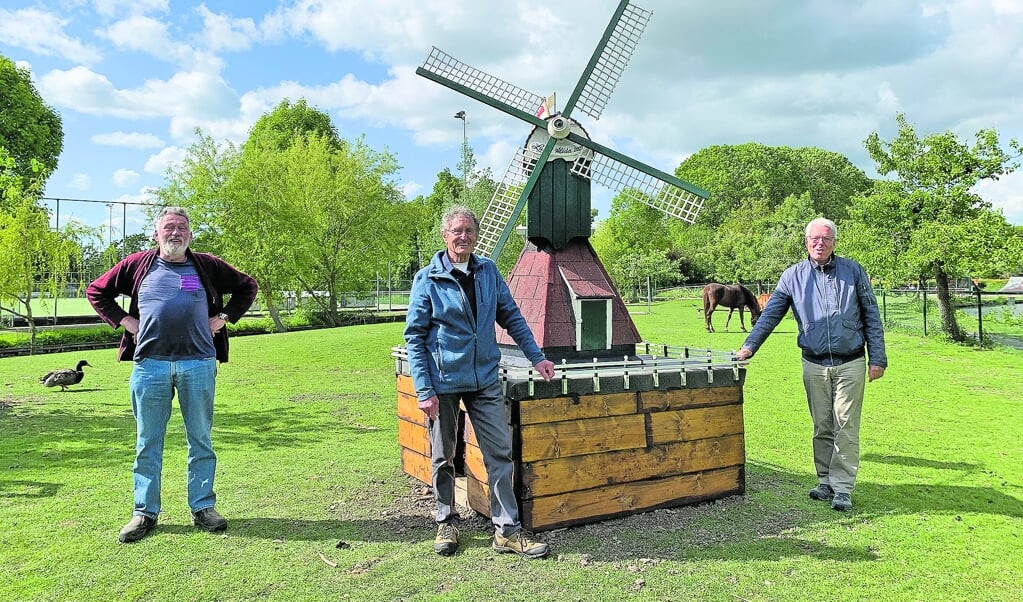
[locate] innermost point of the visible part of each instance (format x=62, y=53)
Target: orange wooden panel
x=416, y=465
x=561, y=475
x=676, y=399
x=697, y=423
x=474, y=463
x=477, y=493
x=577, y=437
x=413, y=436
x=555, y=409
x=618, y=500
x=408, y=409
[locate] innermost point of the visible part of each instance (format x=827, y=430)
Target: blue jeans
x=153, y=383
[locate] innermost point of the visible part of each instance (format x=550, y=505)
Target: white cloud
x=158, y=163
x=125, y=177
x=80, y=181
x=114, y=8
x=43, y=33
x=221, y=32
x=151, y=36
x=128, y=139
x=190, y=93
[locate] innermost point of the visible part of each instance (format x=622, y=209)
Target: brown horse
x=732, y=296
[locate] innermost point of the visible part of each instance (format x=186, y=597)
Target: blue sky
x=133, y=79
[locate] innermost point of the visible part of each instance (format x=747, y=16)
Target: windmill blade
x=503, y=205
x=609, y=60
x=640, y=182
x=448, y=71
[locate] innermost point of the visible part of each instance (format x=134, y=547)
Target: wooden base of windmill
x=603, y=451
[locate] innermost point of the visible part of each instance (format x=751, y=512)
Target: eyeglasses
x=466, y=232
x=824, y=239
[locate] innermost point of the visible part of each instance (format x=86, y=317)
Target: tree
x=33, y=258
x=926, y=222
x=735, y=174
x=29, y=128
x=286, y=123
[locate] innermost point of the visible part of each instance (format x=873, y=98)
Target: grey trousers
x=835, y=397
x=489, y=416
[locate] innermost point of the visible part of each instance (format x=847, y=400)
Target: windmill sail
x=445, y=69
x=605, y=68
x=501, y=210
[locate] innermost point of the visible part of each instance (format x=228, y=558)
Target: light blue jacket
x=450, y=351
x=835, y=309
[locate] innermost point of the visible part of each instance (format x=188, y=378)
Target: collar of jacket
x=832, y=261
x=446, y=263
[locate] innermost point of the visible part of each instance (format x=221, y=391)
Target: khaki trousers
x=835, y=397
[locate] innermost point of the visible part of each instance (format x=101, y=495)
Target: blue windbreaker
x=835, y=309
x=450, y=351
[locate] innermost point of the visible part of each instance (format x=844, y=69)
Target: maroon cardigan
x=218, y=278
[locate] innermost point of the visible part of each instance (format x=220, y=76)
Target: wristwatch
x=222, y=316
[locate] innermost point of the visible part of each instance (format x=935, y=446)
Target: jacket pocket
x=853, y=334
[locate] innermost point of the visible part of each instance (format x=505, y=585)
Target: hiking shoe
x=209, y=519
x=822, y=492
x=842, y=502
x=138, y=527
x=446, y=541
x=520, y=543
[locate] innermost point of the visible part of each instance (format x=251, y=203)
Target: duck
x=66, y=376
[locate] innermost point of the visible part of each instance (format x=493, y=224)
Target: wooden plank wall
x=582, y=458
x=413, y=437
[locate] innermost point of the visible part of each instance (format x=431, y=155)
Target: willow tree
x=926, y=221
x=33, y=257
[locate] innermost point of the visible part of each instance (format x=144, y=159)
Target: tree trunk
x=275, y=314
x=949, y=324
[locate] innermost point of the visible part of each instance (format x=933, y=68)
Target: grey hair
x=458, y=211
x=822, y=221
x=173, y=211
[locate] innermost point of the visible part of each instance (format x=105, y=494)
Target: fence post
x=925, y=309
x=980, y=318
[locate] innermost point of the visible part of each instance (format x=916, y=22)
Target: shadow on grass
x=27, y=489
x=919, y=462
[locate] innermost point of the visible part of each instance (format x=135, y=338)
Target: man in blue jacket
x=453, y=355
x=839, y=327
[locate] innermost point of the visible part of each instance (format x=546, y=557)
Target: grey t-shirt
x=173, y=314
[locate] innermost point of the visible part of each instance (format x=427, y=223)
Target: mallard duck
x=65, y=376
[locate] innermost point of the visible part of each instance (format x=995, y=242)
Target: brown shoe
x=446, y=542
x=520, y=543
x=138, y=527
x=209, y=519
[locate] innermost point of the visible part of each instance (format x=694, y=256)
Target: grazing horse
x=732, y=296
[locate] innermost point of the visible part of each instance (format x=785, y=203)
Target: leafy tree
x=29, y=128
x=33, y=258
x=287, y=122
x=926, y=222
x=735, y=174
x=633, y=243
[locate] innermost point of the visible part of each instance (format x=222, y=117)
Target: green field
x=319, y=509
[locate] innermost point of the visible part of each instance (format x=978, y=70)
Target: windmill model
x=560, y=285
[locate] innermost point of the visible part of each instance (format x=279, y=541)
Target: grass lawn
x=309, y=478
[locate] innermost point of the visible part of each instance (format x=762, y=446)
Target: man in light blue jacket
x=453, y=356
x=840, y=326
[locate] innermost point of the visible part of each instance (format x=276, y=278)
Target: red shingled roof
x=542, y=284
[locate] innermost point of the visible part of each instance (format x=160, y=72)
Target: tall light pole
x=110, y=224
x=465, y=148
